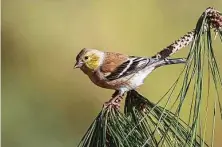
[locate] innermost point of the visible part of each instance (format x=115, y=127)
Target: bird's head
x=89, y=58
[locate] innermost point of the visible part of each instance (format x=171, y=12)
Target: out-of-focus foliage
x=47, y=103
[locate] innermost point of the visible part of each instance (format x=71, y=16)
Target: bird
x=118, y=71
x=123, y=73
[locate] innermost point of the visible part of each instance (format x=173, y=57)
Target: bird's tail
x=168, y=61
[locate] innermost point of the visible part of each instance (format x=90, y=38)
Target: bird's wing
x=112, y=61
x=117, y=65
x=128, y=67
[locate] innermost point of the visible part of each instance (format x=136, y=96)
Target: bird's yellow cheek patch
x=93, y=62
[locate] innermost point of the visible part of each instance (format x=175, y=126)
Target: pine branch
x=110, y=129
x=214, y=20
x=156, y=122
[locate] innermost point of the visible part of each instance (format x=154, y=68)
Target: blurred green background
x=47, y=103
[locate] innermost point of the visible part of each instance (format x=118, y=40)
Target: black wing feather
x=135, y=64
x=133, y=68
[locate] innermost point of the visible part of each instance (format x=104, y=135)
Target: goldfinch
x=117, y=71
x=123, y=73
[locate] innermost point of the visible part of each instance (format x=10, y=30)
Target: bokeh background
x=45, y=102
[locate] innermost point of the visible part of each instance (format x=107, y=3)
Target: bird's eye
x=86, y=57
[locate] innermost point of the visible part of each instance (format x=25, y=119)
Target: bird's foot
x=114, y=102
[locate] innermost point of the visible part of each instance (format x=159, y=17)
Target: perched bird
x=117, y=71
x=123, y=73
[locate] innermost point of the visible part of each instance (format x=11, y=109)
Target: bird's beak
x=78, y=65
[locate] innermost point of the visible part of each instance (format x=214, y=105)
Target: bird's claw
x=114, y=104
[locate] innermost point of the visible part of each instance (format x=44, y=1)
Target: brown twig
x=214, y=19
